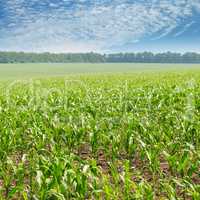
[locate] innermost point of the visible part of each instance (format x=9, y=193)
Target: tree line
x=143, y=57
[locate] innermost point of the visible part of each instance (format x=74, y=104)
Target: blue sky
x=100, y=25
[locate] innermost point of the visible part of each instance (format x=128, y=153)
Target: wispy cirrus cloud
x=89, y=25
x=184, y=29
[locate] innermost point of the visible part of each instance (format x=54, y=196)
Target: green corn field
x=106, y=136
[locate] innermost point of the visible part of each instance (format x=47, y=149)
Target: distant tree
x=143, y=57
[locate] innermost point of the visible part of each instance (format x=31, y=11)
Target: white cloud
x=185, y=28
x=89, y=24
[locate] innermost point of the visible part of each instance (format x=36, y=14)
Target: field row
x=125, y=136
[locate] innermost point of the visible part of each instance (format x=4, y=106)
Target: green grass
x=23, y=71
x=100, y=135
